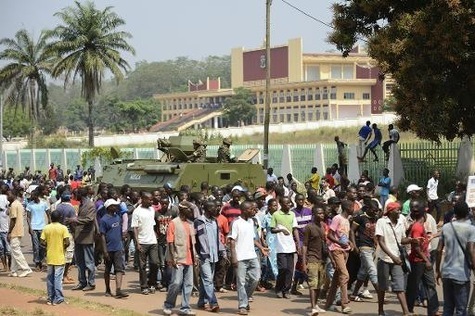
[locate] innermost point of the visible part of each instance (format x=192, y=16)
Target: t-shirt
x=144, y=219
x=287, y=220
x=110, y=227
x=171, y=239
x=341, y=227
x=454, y=265
x=54, y=235
x=365, y=231
x=16, y=211
x=223, y=227
x=384, y=184
x=364, y=132
x=230, y=212
x=38, y=214
x=314, y=237
x=315, y=181
x=303, y=217
x=163, y=219
x=384, y=228
x=67, y=211
x=432, y=188
x=242, y=232
x=418, y=231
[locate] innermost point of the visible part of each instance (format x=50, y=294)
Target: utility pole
x=267, y=97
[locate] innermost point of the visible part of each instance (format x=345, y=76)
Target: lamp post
x=267, y=97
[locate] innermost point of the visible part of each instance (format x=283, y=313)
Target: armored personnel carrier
x=175, y=169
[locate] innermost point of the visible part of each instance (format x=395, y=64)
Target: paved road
x=151, y=304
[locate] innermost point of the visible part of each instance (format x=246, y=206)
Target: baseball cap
x=258, y=194
x=239, y=188
x=391, y=207
x=413, y=187
x=110, y=202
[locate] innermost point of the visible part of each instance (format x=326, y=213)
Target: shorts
x=398, y=277
x=117, y=259
x=374, y=144
x=69, y=253
x=316, y=275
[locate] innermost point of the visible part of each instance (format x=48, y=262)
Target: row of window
x=307, y=95
x=340, y=71
x=193, y=103
x=295, y=117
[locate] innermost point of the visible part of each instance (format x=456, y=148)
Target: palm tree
x=23, y=78
x=89, y=45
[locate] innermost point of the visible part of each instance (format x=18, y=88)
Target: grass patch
x=72, y=301
x=11, y=311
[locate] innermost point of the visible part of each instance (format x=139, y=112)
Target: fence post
x=353, y=165
x=48, y=157
x=33, y=160
x=396, y=169
x=64, y=159
x=286, y=166
x=319, y=158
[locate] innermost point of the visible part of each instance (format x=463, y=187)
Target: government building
x=304, y=87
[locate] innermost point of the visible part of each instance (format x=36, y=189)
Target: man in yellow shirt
x=315, y=179
x=55, y=237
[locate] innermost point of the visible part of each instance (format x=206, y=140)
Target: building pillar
x=286, y=166
x=319, y=159
x=396, y=170
x=353, y=165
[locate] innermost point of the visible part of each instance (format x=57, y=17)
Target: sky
x=164, y=30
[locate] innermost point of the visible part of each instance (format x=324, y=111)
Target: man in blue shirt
x=374, y=143
x=363, y=137
x=110, y=227
x=37, y=213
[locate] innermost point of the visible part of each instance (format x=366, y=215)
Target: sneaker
x=346, y=310
x=296, y=292
x=279, y=295
x=108, y=294
x=120, y=294
x=318, y=309
x=89, y=288
x=250, y=299
x=287, y=296
x=214, y=309
x=13, y=274
x=187, y=312
x=242, y=311
x=365, y=294
x=147, y=292
x=166, y=310
x=25, y=273
x=223, y=290
x=58, y=303
x=78, y=287
x=152, y=290
x=48, y=302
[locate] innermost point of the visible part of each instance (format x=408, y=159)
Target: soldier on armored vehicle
x=224, y=151
x=199, y=155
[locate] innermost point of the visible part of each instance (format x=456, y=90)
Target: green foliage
x=204, y=134
x=23, y=78
x=105, y=155
x=239, y=108
x=89, y=44
x=427, y=47
x=15, y=123
x=56, y=141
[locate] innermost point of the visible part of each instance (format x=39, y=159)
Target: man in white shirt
x=432, y=196
x=143, y=224
x=242, y=240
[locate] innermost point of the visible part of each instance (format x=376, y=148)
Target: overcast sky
x=165, y=30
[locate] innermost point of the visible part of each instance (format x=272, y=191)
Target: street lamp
x=267, y=98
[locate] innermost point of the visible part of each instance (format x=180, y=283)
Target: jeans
x=38, y=249
x=181, y=282
x=420, y=273
x=4, y=245
x=54, y=284
x=207, y=295
x=285, y=264
x=248, y=273
x=149, y=252
x=220, y=272
x=164, y=269
x=367, y=267
x=18, y=260
x=435, y=205
x=455, y=297
x=84, y=255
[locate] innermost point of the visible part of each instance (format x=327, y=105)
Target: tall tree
x=428, y=47
x=23, y=78
x=239, y=108
x=89, y=44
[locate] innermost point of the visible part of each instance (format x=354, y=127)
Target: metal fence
x=418, y=158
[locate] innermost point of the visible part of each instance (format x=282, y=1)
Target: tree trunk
x=90, y=123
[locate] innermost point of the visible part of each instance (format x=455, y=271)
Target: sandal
x=356, y=298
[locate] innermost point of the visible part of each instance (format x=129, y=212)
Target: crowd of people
x=331, y=236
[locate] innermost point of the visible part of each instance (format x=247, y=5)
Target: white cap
x=239, y=188
x=413, y=187
x=110, y=202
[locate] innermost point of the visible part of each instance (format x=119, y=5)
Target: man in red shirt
x=421, y=266
x=52, y=172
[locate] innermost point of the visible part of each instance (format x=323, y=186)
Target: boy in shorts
x=313, y=257
x=110, y=227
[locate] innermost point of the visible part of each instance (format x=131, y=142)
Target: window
x=274, y=97
x=349, y=95
x=296, y=117
x=317, y=94
x=325, y=93
x=333, y=93
x=310, y=94
x=310, y=116
x=296, y=96
x=274, y=118
x=348, y=72
x=261, y=98
x=282, y=117
x=302, y=116
x=289, y=96
x=313, y=73
x=325, y=116
x=336, y=72
x=303, y=95
x=225, y=176
x=289, y=118
x=281, y=97
x=366, y=96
